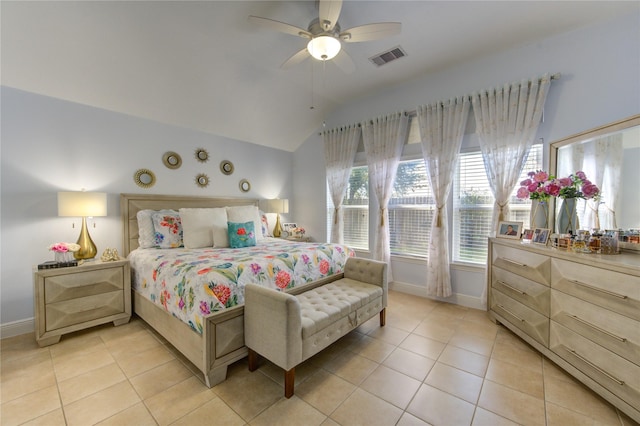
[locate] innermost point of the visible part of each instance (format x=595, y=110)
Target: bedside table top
x=85, y=266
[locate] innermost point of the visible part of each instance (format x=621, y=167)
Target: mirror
x=202, y=155
x=172, y=160
x=245, y=186
x=202, y=180
x=226, y=167
x=144, y=178
x=610, y=157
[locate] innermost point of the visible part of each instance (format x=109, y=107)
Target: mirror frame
x=615, y=126
x=166, y=159
x=245, y=185
x=226, y=167
x=137, y=178
x=202, y=180
x=202, y=155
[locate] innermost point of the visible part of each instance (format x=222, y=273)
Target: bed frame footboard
x=220, y=344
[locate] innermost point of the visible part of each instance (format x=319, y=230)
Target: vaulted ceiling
x=203, y=65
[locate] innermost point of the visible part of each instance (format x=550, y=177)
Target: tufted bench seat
x=289, y=328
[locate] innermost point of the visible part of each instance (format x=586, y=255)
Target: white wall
x=600, y=83
x=50, y=145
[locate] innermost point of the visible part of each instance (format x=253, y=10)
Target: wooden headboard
x=131, y=204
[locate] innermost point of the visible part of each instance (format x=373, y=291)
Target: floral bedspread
x=193, y=283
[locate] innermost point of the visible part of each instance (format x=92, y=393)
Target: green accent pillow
x=241, y=234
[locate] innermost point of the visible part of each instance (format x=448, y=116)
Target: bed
x=210, y=334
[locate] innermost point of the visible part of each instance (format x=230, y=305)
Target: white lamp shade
x=277, y=206
x=82, y=204
x=324, y=48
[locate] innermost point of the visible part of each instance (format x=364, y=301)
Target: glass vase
x=539, y=214
x=568, y=217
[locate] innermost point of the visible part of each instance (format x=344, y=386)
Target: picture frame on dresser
x=510, y=230
x=527, y=236
x=541, y=236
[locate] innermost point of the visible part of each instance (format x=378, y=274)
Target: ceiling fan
x=325, y=35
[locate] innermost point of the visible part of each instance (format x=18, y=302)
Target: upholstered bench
x=288, y=328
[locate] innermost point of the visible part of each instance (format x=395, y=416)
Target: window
x=356, y=210
x=411, y=210
x=473, y=205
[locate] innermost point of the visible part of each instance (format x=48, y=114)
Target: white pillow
x=245, y=214
x=206, y=227
x=146, y=231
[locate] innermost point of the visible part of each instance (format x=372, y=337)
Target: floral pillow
x=168, y=230
x=241, y=234
x=265, y=225
x=146, y=231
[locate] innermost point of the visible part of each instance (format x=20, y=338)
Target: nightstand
x=79, y=297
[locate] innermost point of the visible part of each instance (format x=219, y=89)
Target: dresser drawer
x=618, y=333
x=70, y=286
x=533, y=266
x=616, y=374
x=528, y=292
x=83, y=309
x=615, y=291
x=526, y=319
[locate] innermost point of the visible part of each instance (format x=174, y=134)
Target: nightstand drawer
x=83, y=309
x=82, y=284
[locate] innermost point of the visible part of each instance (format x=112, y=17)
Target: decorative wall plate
x=202, y=180
x=172, y=160
x=202, y=155
x=245, y=186
x=144, y=178
x=226, y=167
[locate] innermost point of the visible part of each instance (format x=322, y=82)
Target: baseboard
x=456, y=298
x=17, y=328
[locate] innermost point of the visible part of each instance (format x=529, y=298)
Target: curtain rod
x=414, y=113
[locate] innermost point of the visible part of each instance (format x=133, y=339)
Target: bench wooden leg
x=253, y=360
x=289, y=380
x=383, y=317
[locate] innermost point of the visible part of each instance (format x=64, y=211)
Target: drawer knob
x=601, y=330
x=595, y=367
x=512, y=288
x=601, y=290
x=510, y=313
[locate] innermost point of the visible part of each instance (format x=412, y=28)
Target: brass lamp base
x=88, y=249
x=277, y=230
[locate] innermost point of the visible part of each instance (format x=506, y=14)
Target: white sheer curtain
x=383, y=139
x=340, y=146
x=506, y=122
x=441, y=130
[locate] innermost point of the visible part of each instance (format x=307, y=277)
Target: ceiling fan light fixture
x=324, y=47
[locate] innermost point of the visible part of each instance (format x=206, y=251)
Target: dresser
x=582, y=311
x=75, y=298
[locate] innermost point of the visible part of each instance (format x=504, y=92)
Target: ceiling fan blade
x=329, y=11
x=296, y=59
x=344, y=62
x=282, y=27
x=370, y=32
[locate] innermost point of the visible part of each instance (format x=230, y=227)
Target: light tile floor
x=433, y=363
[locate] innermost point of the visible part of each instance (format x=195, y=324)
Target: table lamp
x=83, y=204
x=277, y=206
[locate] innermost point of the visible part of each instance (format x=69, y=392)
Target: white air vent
x=388, y=56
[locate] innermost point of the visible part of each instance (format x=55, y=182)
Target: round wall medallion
x=202, y=180
x=245, y=186
x=144, y=178
x=226, y=167
x=202, y=155
x=172, y=160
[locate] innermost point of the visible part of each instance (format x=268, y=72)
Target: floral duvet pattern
x=193, y=283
